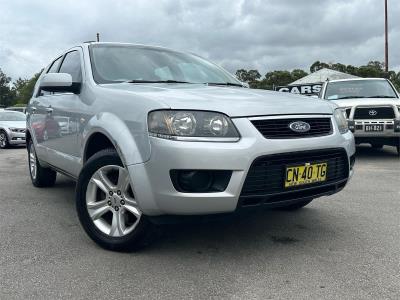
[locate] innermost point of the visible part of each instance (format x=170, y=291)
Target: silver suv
x=372, y=107
x=151, y=135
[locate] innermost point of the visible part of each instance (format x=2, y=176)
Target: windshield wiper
x=380, y=96
x=348, y=97
x=155, y=81
x=224, y=83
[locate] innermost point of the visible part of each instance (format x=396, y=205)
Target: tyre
x=40, y=176
x=106, y=205
x=377, y=146
x=296, y=206
x=3, y=140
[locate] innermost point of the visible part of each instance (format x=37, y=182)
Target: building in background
x=312, y=83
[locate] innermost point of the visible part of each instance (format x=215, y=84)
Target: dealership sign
x=303, y=89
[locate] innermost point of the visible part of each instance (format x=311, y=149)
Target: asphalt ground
x=346, y=246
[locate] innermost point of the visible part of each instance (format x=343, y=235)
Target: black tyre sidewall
x=132, y=241
x=44, y=177
x=7, y=143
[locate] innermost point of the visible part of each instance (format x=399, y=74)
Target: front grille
x=279, y=128
x=384, y=112
x=267, y=173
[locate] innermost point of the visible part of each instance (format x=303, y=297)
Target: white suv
x=372, y=107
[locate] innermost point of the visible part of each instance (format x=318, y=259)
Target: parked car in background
x=17, y=108
x=12, y=128
x=372, y=108
x=152, y=134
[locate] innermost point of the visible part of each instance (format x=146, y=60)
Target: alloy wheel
x=32, y=161
x=111, y=203
x=3, y=140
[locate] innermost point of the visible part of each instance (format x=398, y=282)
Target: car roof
x=86, y=44
x=356, y=79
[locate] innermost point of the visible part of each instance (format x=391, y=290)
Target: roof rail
x=88, y=42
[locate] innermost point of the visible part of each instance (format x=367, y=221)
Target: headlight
x=20, y=130
x=340, y=117
x=192, y=126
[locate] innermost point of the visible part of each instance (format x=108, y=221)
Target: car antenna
x=98, y=37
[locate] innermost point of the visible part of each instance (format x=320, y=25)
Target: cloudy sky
x=262, y=34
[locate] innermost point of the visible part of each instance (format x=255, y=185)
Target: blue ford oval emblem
x=299, y=126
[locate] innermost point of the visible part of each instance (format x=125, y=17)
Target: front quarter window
x=72, y=65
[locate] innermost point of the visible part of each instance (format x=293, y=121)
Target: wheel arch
x=107, y=130
x=96, y=142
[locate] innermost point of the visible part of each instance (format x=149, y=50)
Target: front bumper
x=16, y=138
x=391, y=128
x=156, y=194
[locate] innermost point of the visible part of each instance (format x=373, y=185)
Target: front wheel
x=3, y=140
x=106, y=204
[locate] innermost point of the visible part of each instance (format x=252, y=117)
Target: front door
x=61, y=124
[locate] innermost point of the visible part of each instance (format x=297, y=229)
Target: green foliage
x=6, y=94
x=249, y=76
x=19, y=93
x=318, y=66
x=277, y=78
x=23, y=89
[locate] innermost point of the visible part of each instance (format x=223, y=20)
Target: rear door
x=62, y=122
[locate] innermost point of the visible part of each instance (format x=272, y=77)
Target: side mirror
x=59, y=82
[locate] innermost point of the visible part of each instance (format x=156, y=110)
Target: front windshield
x=121, y=63
x=359, y=89
x=12, y=116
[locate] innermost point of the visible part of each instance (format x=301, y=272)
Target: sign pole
x=386, y=39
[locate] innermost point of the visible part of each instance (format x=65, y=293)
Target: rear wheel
x=106, y=205
x=296, y=205
x=41, y=177
x=3, y=140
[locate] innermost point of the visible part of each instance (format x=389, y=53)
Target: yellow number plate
x=307, y=174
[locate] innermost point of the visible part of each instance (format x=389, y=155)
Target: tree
x=6, y=94
x=338, y=67
x=23, y=88
x=297, y=74
x=248, y=76
x=372, y=69
x=318, y=66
